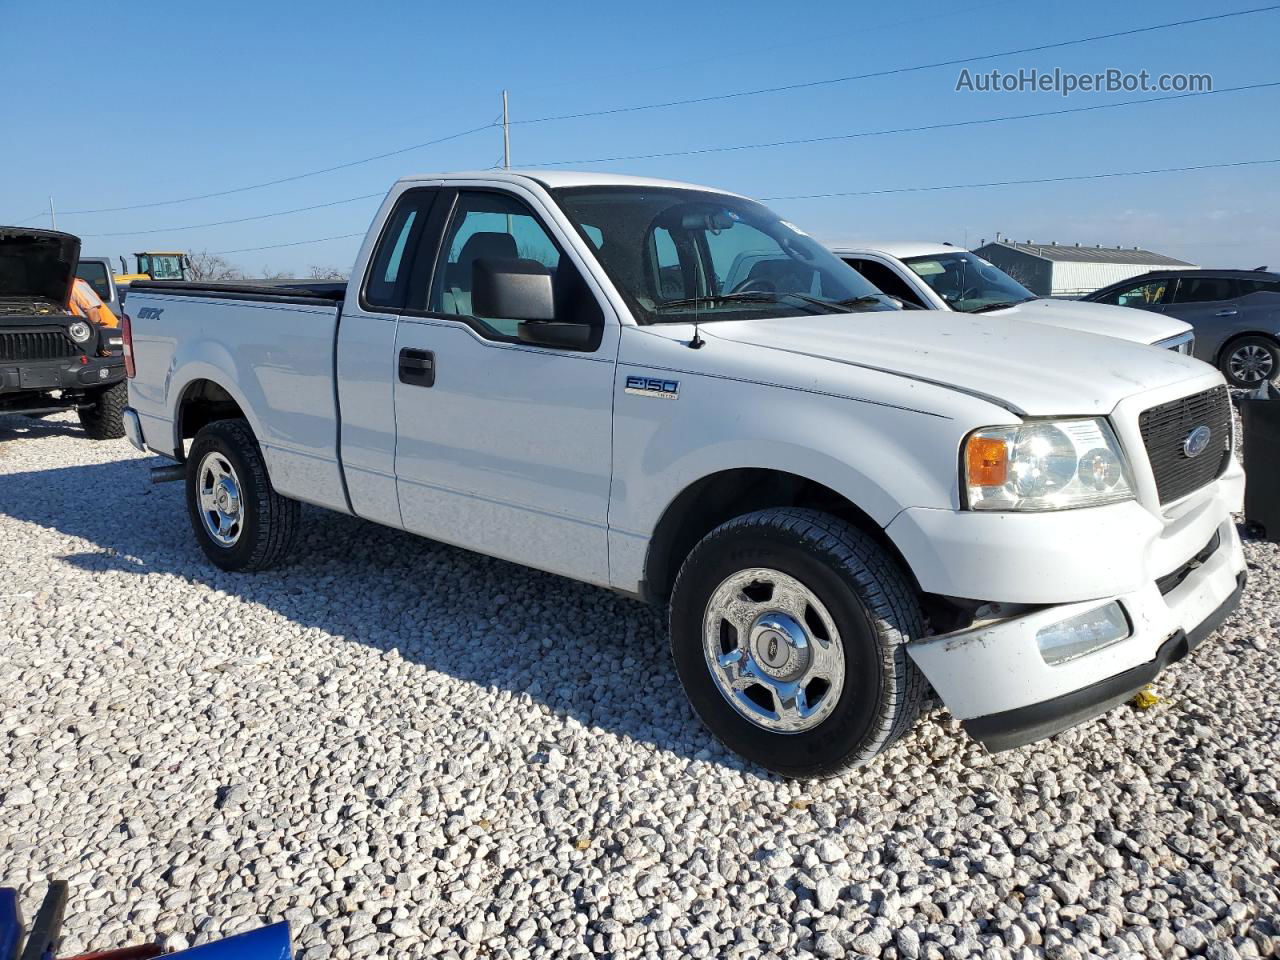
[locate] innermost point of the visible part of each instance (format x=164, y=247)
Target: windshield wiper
x=853, y=302
x=762, y=296
x=1003, y=305
x=748, y=297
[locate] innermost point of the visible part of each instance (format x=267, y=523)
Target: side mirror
x=523, y=290
x=512, y=289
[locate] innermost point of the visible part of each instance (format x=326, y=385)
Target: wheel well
x=202, y=403
x=722, y=496
x=1231, y=341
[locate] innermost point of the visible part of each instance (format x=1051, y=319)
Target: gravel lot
x=409, y=750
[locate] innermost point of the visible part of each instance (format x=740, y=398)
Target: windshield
x=95, y=274
x=967, y=282
x=677, y=255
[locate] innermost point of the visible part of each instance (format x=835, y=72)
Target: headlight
x=79, y=331
x=1044, y=465
x=1183, y=343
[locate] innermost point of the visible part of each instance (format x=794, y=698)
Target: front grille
x=36, y=345
x=1165, y=430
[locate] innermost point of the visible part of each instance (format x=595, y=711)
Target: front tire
x=1250, y=361
x=239, y=520
x=104, y=419
x=788, y=628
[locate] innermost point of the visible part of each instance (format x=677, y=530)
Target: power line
x=289, y=179
x=895, y=71
x=220, y=223
x=869, y=193
x=295, y=243
x=893, y=130
x=682, y=102
x=1010, y=183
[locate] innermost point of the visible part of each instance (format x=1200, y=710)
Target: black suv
x=50, y=358
x=1236, y=315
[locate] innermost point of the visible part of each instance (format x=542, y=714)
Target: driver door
x=503, y=446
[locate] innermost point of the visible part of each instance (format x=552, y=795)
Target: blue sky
x=148, y=102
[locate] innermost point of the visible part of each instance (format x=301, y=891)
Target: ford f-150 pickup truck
x=50, y=358
x=939, y=276
x=842, y=503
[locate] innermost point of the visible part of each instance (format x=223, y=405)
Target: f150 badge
x=651, y=387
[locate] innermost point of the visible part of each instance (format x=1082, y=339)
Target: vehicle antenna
x=697, y=342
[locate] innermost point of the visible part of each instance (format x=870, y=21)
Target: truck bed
x=271, y=346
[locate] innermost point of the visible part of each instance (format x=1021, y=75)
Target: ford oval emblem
x=1197, y=441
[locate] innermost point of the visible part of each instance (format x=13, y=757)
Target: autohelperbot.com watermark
x=1064, y=82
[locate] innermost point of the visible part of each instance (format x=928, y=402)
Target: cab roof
x=564, y=178
x=899, y=250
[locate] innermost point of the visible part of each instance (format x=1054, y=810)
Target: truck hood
x=1029, y=369
x=37, y=265
x=1125, y=323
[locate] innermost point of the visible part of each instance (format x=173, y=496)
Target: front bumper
x=993, y=678
x=74, y=373
x=1059, y=556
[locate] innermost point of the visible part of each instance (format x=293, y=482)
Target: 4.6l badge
x=651, y=387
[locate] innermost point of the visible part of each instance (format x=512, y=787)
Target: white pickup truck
x=939, y=276
x=842, y=502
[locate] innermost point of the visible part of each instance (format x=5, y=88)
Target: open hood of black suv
x=38, y=264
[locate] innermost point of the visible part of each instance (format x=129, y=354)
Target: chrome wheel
x=773, y=650
x=1251, y=363
x=221, y=506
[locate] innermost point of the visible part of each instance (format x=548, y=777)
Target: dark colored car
x=50, y=358
x=1235, y=313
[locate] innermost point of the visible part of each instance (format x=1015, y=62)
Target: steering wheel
x=755, y=285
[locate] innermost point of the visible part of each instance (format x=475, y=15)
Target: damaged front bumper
x=1009, y=687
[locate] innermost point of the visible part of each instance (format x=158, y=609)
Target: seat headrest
x=489, y=246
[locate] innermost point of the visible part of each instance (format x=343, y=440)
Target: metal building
x=1070, y=270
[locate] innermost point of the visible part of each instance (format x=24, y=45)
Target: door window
x=390, y=267
x=495, y=226
x=886, y=280
x=1258, y=286
x=1202, y=290
x=95, y=274
x=1139, y=295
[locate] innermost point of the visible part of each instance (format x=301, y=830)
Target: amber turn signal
x=987, y=461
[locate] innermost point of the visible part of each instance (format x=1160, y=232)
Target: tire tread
x=882, y=589
x=105, y=419
x=278, y=517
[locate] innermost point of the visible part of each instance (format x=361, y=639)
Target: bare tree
x=315, y=272
x=209, y=266
x=269, y=274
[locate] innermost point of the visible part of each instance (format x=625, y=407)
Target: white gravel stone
x=411, y=750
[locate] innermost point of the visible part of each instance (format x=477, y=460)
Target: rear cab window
x=387, y=279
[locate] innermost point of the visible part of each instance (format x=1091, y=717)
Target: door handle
x=1229, y=312
x=417, y=367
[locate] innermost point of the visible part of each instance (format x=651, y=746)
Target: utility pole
x=53, y=217
x=506, y=133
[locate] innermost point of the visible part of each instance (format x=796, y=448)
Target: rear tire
x=823, y=610
x=104, y=420
x=1250, y=361
x=239, y=520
